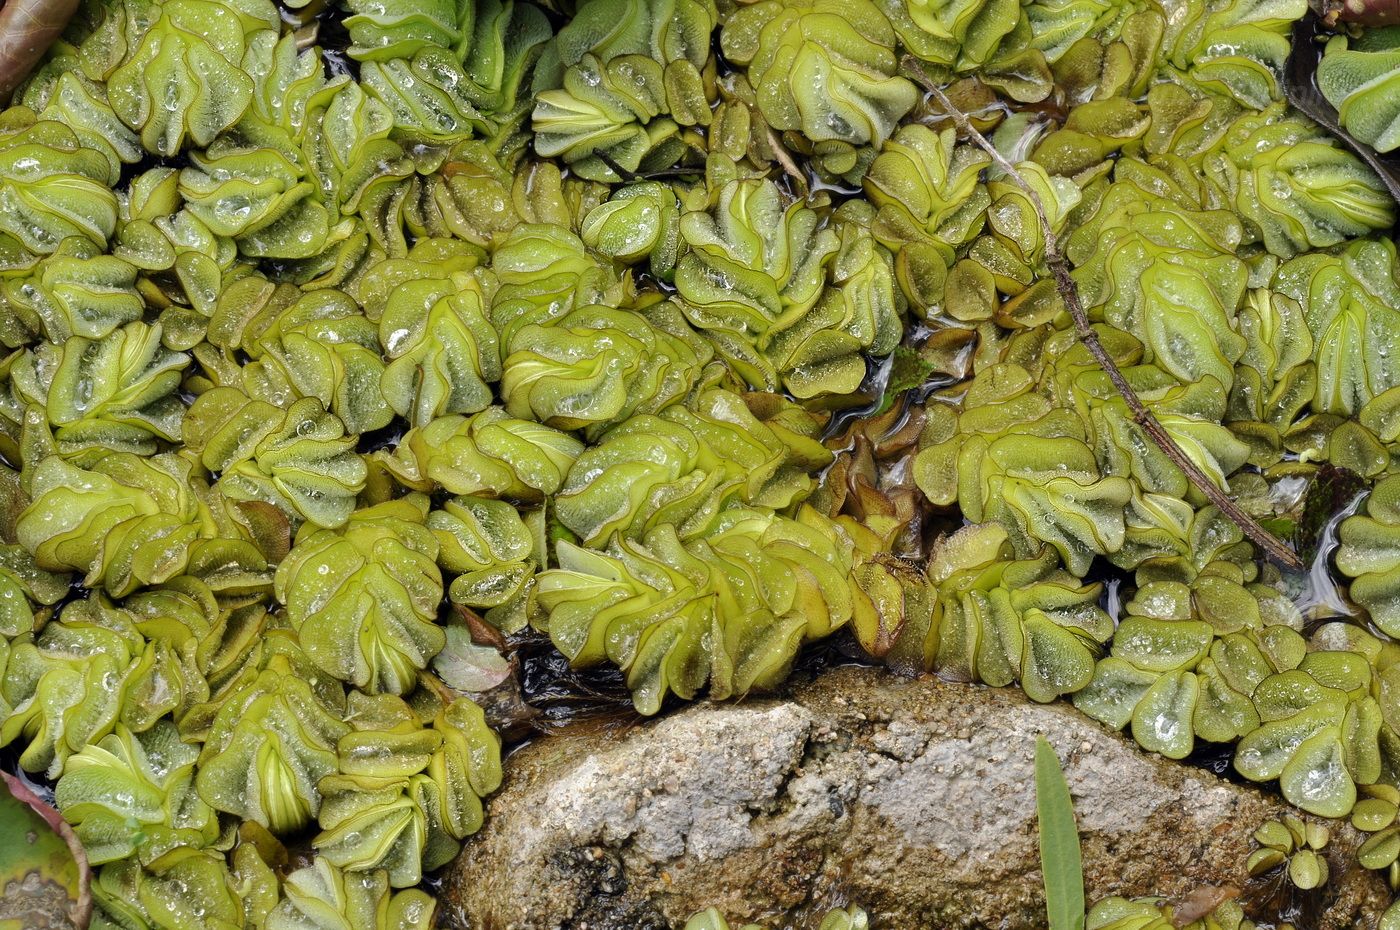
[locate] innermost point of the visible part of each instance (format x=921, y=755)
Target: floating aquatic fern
x=547, y=320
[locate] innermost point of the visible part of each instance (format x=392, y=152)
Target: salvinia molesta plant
x=344, y=347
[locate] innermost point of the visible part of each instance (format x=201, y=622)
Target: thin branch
x=784, y=158
x=1275, y=549
x=626, y=175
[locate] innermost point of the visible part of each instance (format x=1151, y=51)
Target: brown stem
x=27, y=29
x=629, y=177
x=784, y=158
x=1069, y=293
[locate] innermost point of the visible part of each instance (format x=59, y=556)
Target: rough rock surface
x=913, y=798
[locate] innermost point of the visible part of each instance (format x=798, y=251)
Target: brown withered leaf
x=43, y=869
x=872, y=477
x=27, y=29
x=482, y=633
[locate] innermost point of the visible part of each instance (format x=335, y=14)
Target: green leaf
x=908, y=370
x=466, y=666
x=1390, y=920
x=1060, y=862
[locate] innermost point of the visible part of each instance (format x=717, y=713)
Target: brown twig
x=784, y=158
x=626, y=175
x=27, y=29
x=1069, y=293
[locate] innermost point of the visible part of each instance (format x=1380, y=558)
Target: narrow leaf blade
x=1060, y=862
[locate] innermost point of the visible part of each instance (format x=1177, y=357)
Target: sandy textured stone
x=912, y=798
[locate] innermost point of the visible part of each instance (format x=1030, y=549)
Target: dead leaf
x=27, y=29
x=43, y=869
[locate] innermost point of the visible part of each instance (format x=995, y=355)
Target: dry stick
x=1069, y=293
x=790, y=168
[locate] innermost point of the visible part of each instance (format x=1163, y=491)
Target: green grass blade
x=1060, y=863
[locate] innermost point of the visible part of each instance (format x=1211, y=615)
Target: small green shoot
x=908, y=370
x=1060, y=862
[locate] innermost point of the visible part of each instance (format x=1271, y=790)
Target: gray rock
x=914, y=799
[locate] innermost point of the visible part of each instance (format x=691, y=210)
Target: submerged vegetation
x=348, y=342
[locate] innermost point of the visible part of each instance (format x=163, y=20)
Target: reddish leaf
x=27, y=29
x=42, y=865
